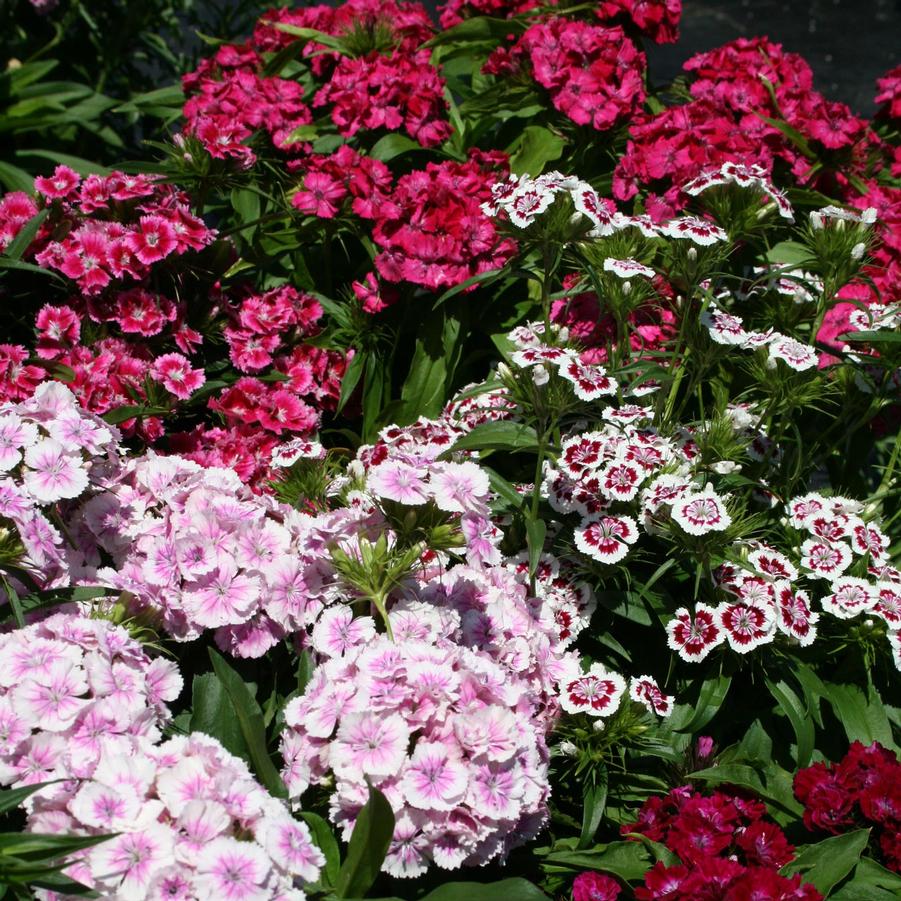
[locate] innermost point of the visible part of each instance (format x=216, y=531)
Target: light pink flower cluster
x=82, y=703
x=200, y=551
x=51, y=452
x=449, y=720
x=769, y=593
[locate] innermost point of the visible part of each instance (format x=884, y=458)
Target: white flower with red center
x=663, y=491
x=620, y=480
x=541, y=354
x=698, y=231
x=526, y=203
x=888, y=603
x=701, y=512
x=723, y=327
x=290, y=452
x=693, y=637
x=580, y=455
x=830, y=528
x=794, y=616
x=849, y=597
x=590, y=381
x=770, y=562
x=606, y=539
x=627, y=414
x=794, y=354
x=869, y=539
x=596, y=692
x=602, y=213
x=755, y=590
x=560, y=490
x=644, y=690
x=646, y=456
x=628, y=268
x=501, y=192
x=746, y=626
x=824, y=559
x=803, y=509
x=703, y=182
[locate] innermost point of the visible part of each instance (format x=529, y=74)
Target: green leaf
x=20, y=243
x=482, y=278
x=476, y=29
x=32, y=847
x=534, y=148
x=327, y=843
x=628, y=859
x=13, y=797
x=391, y=145
x=213, y=714
x=367, y=848
x=746, y=776
x=78, y=163
x=515, y=889
x=869, y=882
x=311, y=34
x=861, y=714
x=594, y=802
x=800, y=718
x=826, y=863
x=790, y=253
x=434, y=359
x=713, y=693
x=15, y=179
x=536, y=529
x=250, y=719
x=503, y=435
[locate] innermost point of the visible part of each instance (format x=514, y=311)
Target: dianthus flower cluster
x=862, y=790
x=594, y=74
x=51, y=453
x=82, y=706
x=725, y=122
x=198, y=550
x=448, y=720
x=770, y=592
x=728, y=850
x=116, y=227
x=234, y=97
x=655, y=19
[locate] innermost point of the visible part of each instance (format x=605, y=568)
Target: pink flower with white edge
x=701, y=512
x=590, y=381
x=541, y=354
x=596, y=692
x=606, y=539
x=291, y=844
x=646, y=691
x=746, y=626
x=825, y=559
x=628, y=268
x=794, y=354
x=338, y=630
x=59, y=185
x=399, y=482
x=176, y=375
x=620, y=480
x=434, y=778
x=53, y=472
x=581, y=454
x=693, y=637
x=849, y=597
x=794, y=616
x=15, y=434
x=152, y=240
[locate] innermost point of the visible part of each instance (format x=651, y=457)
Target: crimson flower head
x=153, y=240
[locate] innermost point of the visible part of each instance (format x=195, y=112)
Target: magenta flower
x=176, y=375
x=153, y=240
x=59, y=185
x=595, y=887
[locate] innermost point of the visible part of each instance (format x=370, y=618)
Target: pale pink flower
x=15, y=434
x=406, y=857
x=337, y=630
x=495, y=791
x=53, y=473
x=106, y=808
x=290, y=844
x=128, y=863
x=459, y=487
x=55, y=701
x=231, y=870
x=399, y=482
x=434, y=779
x=222, y=598
x=370, y=744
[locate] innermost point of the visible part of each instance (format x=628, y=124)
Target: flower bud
x=540, y=375
x=563, y=334
x=858, y=250
x=816, y=220
x=692, y=254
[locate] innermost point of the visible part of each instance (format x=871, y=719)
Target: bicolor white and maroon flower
x=607, y=538
x=694, y=636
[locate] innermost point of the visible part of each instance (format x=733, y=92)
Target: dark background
x=848, y=44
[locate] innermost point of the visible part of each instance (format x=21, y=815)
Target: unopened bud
x=858, y=250
x=816, y=220
x=692, y=253
x=356, y=470
x=627, y=286
x=568, y=749
x=540, y=375
x=563, y=334
x=503, y=371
